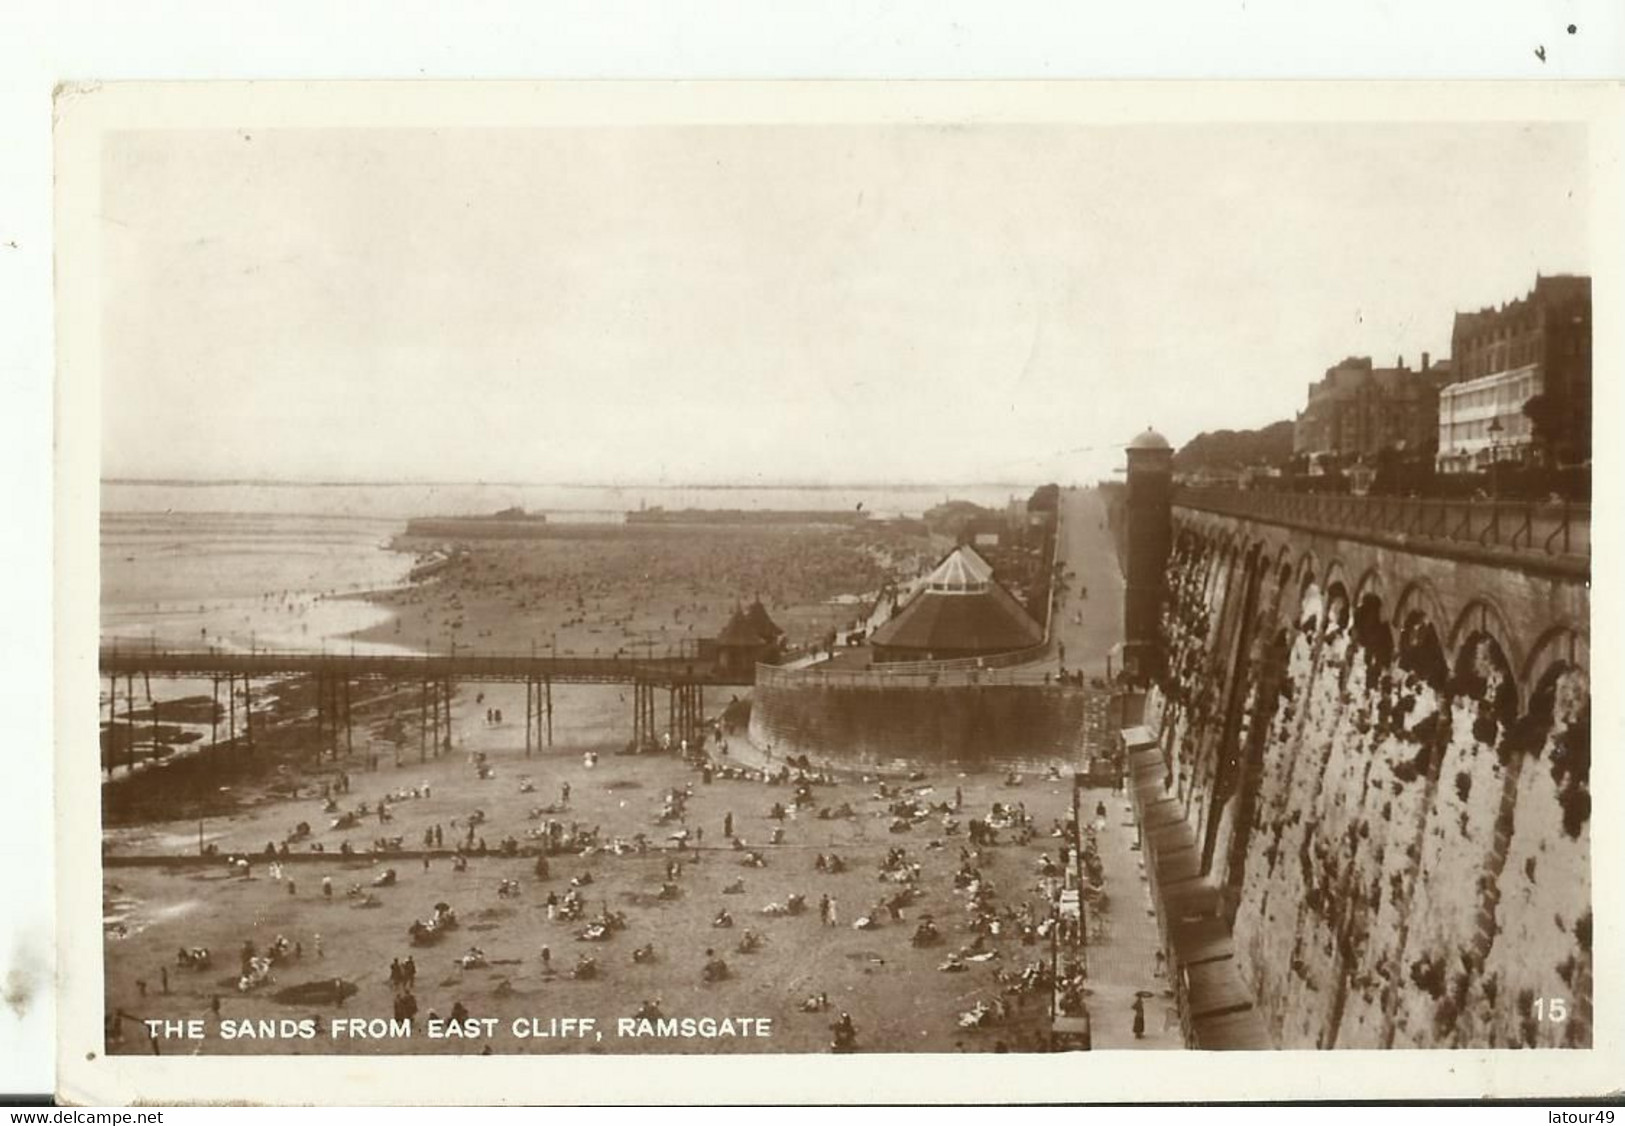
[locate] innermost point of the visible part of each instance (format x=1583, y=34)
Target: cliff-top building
x=1535, y=348
x=1358, y=411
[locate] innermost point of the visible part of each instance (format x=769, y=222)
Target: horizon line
x=190, y=482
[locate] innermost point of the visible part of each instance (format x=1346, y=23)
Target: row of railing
x=1553, y=529
x=882, y=676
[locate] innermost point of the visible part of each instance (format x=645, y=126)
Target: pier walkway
x=467, y=667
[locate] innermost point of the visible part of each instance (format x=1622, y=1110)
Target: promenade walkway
x=1123, y=939
x=1088, y=623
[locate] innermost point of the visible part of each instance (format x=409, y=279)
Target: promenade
x=1122, y=933
x=1123, y=939
x=1088, y=622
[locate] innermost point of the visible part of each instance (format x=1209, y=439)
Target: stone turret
x=1150, y=535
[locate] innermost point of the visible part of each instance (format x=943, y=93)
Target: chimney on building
x=1424, y=361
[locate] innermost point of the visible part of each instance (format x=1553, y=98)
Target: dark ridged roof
x=987, y=620
x=757, y=618
x=750, y=627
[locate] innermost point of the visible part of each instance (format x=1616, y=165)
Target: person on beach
x=1139, y=1018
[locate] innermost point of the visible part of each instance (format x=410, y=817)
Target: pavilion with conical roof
x=958, y=611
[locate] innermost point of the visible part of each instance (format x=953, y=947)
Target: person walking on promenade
x=1139, y=1018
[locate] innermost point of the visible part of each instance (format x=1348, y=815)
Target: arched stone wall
x=1387, y=756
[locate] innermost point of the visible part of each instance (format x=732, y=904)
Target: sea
x=251, y=565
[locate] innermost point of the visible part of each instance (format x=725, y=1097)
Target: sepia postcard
x=835, y=592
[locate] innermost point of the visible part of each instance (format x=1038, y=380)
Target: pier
x=684, y=677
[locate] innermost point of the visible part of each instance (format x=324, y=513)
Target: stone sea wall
x=1020, y=726
x=1386, y=758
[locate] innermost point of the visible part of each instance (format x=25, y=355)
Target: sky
x=785, y=303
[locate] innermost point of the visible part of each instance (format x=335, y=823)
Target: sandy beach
x=583, y=594
x=624, y=593
x=876, y=975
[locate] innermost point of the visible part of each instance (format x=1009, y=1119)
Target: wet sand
x=630, y=594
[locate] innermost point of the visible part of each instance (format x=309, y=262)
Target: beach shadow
x=324, y=992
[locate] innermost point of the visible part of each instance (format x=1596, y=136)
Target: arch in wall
x=1371, y=583
x=1559, y=724
x=1283, y=567
x=1339, y=611
x=1482, y=616
x=1310, y=612
x=1561, y=647
x=1483, y=673
x=1371, y=630
x=1418, y=597
x=1308, y=570
x=1562, y=692
x=1337, y=574
x=1419, y=651
x=1218, y=560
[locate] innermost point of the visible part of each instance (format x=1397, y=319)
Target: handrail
x=1030, y=675
x=1519, y=529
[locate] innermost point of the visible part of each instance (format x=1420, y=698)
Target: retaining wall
x=1021, y=726
x=1386, y=758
